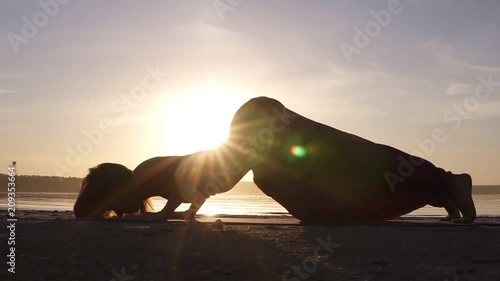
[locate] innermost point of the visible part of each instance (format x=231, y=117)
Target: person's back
x=157, y=173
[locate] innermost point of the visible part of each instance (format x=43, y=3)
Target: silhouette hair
x=108, y=191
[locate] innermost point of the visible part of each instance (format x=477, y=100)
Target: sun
x=199, y=120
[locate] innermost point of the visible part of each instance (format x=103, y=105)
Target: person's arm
x=193, y=209
x=167, y=212
x=189, y=214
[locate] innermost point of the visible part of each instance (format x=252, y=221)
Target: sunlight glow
x=200, y=119
x=210, y=210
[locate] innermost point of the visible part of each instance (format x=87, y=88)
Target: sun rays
x=199, y=120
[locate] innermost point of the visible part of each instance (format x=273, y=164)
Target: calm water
x=230, y=204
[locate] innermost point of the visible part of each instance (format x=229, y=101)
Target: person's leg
x=442, y=188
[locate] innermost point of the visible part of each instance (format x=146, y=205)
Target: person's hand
x=144, y=217
x=188, y=216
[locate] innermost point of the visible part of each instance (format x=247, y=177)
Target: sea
x=225, y=204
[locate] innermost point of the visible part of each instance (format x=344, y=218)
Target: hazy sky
x=424, y=71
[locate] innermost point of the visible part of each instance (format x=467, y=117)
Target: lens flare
x=298, y=151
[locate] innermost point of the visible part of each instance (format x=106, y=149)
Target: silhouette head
x=108, y=189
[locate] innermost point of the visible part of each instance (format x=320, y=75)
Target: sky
x=86, y=82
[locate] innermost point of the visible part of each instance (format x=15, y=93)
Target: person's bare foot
x=453, y=212
x=461, y=195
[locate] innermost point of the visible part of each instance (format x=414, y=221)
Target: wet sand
x=54, y=246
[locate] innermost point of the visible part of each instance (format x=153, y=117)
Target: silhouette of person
x=318, y=173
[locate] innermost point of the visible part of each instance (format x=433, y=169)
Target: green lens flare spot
x=298, y=151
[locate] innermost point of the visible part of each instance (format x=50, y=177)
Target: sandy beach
x=54, y=246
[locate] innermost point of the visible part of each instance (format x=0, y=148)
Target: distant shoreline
x=71, y=185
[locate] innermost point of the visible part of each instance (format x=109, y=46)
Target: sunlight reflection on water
x=229, y=204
